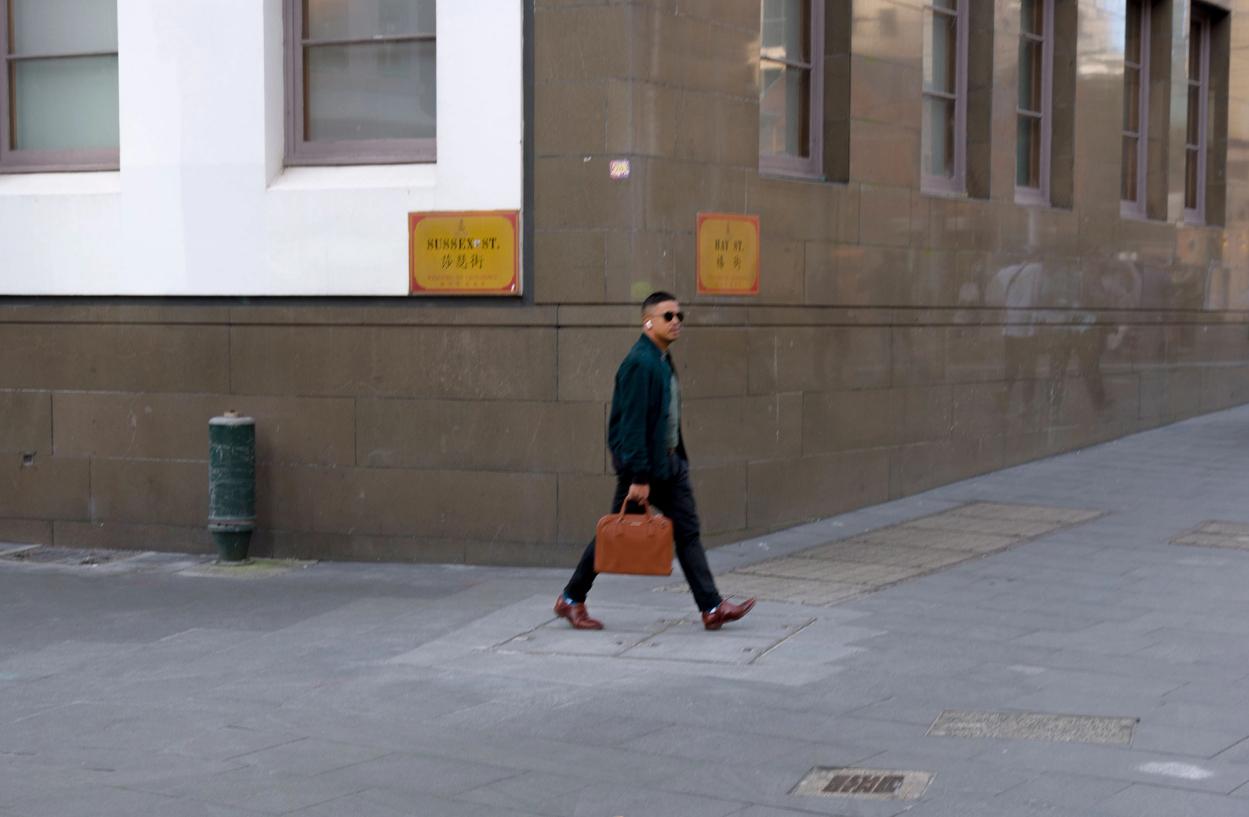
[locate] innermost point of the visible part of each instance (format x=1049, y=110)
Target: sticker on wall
x=469, y=253
x=728, y=254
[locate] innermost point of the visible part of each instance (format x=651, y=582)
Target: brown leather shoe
x=576, y=615
x=726, y=612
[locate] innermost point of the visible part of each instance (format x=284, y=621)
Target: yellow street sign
x=469, y=253
x=728, y=254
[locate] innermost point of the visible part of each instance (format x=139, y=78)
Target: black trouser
x=675, y=498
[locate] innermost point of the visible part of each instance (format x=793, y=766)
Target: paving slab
x=1070, y=791
x=150, y=685
x=1160, y=801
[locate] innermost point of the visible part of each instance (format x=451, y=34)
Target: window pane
x=64, y=26
x=1028, y=152
x=361, y=19
x=1190, y=179
x=941, y=53
x=1030, y=65
x=1132, y=46
x=785, y=28
x=1193, y=136
x=1194, y=51
x=65, y=104
x=938, y=137
x=783, y=111
x=383, y=91
x=1033, y=17
x=952, y=5
x=1132, y=100
x=1127, y=186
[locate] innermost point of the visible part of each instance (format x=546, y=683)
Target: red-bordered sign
x=464, y=253
x=727, y=254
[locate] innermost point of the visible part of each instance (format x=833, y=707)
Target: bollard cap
x=232, y=418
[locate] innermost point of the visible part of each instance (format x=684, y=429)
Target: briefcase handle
x=646, y=509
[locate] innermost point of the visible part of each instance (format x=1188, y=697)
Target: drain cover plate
x=1034, y=726
x=868, y=784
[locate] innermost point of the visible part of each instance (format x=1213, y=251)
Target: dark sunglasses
x=668, y=316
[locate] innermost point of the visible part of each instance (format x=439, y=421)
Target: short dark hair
x=656, y=298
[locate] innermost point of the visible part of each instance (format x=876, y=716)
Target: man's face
x=665, y=323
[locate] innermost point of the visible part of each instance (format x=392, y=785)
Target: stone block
x=569, y=118
x=581, y=43
x=120, y=357
x=25, y=531
x=588, y=359
x=47, y=488
x=434, y=504
x=822, y=358
x=789, y=491
x=569, y=266
x=27, y=425
x=460, y=363
x=583, y=498
x=166, y=426
x=150, y=492
x=491, y=435
x=722, y=430
x=128, y=536
x=872, y=418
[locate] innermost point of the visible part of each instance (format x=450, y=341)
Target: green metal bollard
x=232, y=484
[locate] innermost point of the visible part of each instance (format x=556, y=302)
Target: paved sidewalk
x=938, y=633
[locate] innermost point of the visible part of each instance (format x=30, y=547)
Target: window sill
x=938, y=193
x=354, y=177
x=92, y=183
x=1129, y=212
x=782, y=176
x=1032, y=198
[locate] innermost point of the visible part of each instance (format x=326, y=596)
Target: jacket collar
x=649, y=346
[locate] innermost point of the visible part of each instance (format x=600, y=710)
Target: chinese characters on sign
x=471, y=253
x=728, y=254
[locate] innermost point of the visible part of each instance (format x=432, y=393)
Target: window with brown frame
x=1197, y=138
x=1136, y=70
x=791, y=88
x=58, y=97
x=1034, y=107
x=943, y=143
x=361, y=82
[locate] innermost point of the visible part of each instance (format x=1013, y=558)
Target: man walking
x=648, y=454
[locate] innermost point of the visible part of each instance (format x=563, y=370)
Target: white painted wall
x=202, y=204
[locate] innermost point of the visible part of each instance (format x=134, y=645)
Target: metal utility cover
x=865, y=784
x=1034, y=726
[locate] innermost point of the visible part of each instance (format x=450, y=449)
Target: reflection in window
x=363, y=82
x=942, y=148
x=791, y=67
x=1135, y=107
x=1036, y=59
x=60, y=90
x=1197, y=132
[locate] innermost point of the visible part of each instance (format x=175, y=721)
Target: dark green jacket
x=637, y=432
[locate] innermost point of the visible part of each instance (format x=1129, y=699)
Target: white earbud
x=649, y=324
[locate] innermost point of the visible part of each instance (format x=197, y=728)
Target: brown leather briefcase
x=639, y=544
